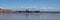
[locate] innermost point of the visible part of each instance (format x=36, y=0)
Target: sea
x=30, y=16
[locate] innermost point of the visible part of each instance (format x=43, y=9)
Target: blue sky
x=37, y=4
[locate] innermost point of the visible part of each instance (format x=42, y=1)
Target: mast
x=27, y=9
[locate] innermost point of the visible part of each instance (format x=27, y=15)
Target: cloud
x=46, y=8
x=40, y=8
x=4, y=8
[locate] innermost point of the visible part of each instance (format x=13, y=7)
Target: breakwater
x=38, y=11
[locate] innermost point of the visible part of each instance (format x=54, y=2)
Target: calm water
x=34, y=16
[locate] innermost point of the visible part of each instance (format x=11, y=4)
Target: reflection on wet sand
x=5, y=14
x=32, y=16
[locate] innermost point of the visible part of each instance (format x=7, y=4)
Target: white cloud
x=4, y=8
x=46, y=8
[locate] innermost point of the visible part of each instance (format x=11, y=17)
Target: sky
x=31, y=4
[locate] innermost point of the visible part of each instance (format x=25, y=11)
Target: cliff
x=6, y=10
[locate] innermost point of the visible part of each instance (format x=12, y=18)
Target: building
x=6, y=10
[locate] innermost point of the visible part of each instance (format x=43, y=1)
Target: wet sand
x=32, y=16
